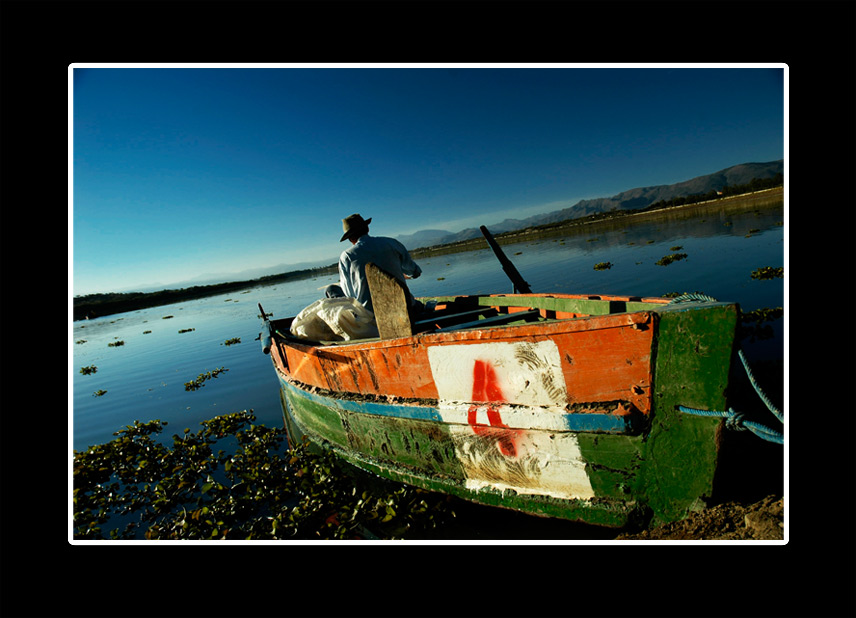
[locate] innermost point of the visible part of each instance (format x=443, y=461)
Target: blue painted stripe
x=594, y=423
x=370, y=407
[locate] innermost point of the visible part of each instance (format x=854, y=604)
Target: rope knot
x=734, y=420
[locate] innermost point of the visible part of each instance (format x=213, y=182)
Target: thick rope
x=758, y=390
x=735, y=420
x=693, y=297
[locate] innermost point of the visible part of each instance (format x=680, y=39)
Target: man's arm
x=408, y=266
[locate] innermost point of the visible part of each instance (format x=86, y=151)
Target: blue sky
x=182, y=172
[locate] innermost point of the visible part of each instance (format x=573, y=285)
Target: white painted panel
x=540, y=463
x=527, y=373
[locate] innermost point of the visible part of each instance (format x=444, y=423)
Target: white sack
x=334, y=319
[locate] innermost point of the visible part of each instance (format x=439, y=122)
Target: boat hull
x=575, y=418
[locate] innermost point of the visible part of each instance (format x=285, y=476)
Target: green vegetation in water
x=754, y=324
x=88, y=370
x=167, y=317
x=115, y=344
x=99, y=393
x=147, y=332
x=199, y=382
x=668, y=259
x=186, y=330
x=137, y=488
x=232, y=341
x=768, y=272
x=603, y=266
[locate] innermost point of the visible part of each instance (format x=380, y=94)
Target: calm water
x=144, y=378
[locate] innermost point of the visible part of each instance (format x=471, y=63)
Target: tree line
x=108, y=303
x=756, y=184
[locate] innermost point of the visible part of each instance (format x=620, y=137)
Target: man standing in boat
x=386, y=253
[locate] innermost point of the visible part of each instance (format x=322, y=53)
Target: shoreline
x=114, y=303
x=736, y=203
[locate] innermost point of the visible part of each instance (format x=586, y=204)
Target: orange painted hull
x=605, y=361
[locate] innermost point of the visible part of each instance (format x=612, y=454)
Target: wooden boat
x=558, y=405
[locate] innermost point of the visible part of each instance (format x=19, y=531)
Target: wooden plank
x=389, y=303
x=463, y=316
x=502, y=318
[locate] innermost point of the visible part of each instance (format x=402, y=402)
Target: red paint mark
x=486, y=389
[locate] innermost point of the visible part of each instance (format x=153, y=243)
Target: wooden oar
x=265, y=335
x=520, y=286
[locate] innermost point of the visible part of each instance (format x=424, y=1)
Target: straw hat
x=354, y=225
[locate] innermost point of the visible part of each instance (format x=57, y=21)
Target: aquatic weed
x=768, y=272
x=668, y=259
x=199, y=382
x=137, y=487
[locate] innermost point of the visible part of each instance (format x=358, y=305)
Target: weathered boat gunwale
x=585, y=306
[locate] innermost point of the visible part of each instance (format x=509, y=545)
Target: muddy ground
x=731, y=521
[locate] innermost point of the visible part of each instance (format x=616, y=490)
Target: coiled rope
x=736, y=420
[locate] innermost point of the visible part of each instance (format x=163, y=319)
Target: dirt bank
x=763, y=520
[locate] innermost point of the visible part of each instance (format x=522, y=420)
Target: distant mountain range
x=627, y=200
x=632, y=199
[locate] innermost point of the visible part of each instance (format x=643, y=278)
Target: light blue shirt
x=386, y=253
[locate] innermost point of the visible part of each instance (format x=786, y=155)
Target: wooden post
x=389, y=302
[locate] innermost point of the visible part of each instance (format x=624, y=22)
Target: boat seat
x=502, y=318
x=389, y=303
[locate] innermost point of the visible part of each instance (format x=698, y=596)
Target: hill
x=632, y=199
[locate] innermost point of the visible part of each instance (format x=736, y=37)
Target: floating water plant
x=668, y=259
x=235, y=479
x=186, y=330
x=603, y=266
x=232, y=341
x=768, y=272
x=88, y=370
x=199, y=382
x=99, y=393
x=765, y=314
x=115, y=344
x=753, y=324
